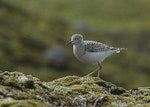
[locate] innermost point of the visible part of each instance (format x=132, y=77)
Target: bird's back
x=94, y=46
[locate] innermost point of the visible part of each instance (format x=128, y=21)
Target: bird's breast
x=78, y=51
x=83, y=56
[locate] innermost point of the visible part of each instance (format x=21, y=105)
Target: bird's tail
x=120, y=49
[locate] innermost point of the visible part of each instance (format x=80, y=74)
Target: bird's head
x=76, y=39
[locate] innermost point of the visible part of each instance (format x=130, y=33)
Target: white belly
x=93, y=57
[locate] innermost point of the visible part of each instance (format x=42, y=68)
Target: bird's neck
x=77, y=49
x=77, y=46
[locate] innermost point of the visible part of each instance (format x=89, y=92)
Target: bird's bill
x=69, y=43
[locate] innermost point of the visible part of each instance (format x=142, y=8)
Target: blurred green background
x=34, y=33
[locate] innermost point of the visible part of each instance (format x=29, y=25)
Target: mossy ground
x=17, y=88
x=28, y=29
x=20, y=103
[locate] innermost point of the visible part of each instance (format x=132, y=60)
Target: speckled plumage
x=93, y=46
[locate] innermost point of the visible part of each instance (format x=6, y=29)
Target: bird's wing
x=93, y=46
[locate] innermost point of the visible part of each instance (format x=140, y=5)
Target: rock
x=8, y=102
x=18, y=89
x=57, y=55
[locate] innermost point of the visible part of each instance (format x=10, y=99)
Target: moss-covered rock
x=18, y=89
x=30, y=29
x=9, y=102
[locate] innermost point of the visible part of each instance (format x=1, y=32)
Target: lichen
x=8, y=102
x=70, y=91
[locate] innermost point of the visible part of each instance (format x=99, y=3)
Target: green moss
x=12, y=83
x=25, y=37
x=19, y=88
x=67, y=81
x=21, y=103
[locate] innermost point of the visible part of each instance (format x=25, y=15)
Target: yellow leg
x=99, y=70
x=92, y=72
